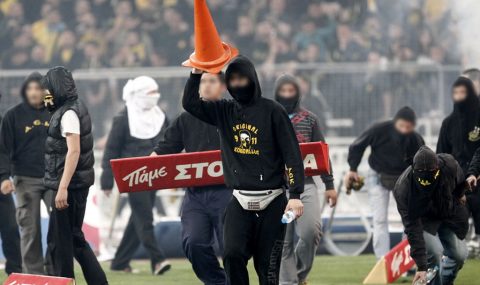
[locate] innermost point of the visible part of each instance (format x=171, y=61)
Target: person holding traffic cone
x=258, y=142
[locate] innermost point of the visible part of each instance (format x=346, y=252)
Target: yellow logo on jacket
x=245, y=135
x=474, y=135
x=36, y=123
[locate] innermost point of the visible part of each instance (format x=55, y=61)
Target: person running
x=135, y=131
x=203, y=207
x=258, y=144
x=22, y=141
x=393, y=144
x=297, y=260
x=69, y=172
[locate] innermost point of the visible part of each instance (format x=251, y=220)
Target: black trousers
x=254, y=234
x=10, y=235
x=473, y=203
x=139, y=230
x=202, y=220
x=66, y=241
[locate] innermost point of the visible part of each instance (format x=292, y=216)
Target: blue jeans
x=446, y=251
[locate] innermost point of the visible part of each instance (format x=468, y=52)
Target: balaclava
x=292, y=104
x=466, y=113
x=145, y=118
x=425, y=169
x=244, y=95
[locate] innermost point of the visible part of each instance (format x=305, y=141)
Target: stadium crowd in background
x=134, y=33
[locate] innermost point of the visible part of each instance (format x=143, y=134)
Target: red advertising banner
x=195, y=169
x=398, y=261
x=28, y=279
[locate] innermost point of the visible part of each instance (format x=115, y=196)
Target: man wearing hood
x=430, y=196
x=203, y=207
x=297, y=260
x=135, y=132
x=393, y=144
x=8, y=227
x=460, y=137
x=22, y=141
x=258, y=143
x=69, y=172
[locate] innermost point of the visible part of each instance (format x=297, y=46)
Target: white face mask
x=147, y=102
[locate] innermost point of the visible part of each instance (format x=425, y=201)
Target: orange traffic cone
x=211, y=54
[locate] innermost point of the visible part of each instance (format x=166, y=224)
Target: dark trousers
x=139, y=230
x=254, y=234
x=66, y=241
x=473, y=203
x=202, y=220
x=10, y=235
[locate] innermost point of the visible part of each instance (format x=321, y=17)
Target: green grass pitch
x=328, y=270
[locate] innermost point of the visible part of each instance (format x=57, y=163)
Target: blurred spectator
x=66, y=53
x=37, y=58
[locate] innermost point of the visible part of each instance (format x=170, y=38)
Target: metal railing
x=347, y=96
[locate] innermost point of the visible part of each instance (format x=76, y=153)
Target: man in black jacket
x=69, y=172
x=430, y=197
x=22, y=141
x=257, y=143
x=9, y=228
x=203, y=207
x=393, y=144
x=297, y=259
x=460, y=137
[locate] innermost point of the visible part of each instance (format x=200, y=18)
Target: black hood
x=242, y=65
x=425, y=159
x=406, y=113
x=466, y=114
x=471, y=104
x=293, y=104
x=33, y=77
x=59, y=81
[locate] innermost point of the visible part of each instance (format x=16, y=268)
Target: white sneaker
x=162, y=267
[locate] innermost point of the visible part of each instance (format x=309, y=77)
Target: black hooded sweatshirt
x=460, y=131
x=257, y=138
x=448, y=191
x=60, y=83
x=391, y=152
x=22, y=137
x=305, y=123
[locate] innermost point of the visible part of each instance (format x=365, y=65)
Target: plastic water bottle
x=288, y=217
x=431, y=273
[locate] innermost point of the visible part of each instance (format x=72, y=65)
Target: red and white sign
x=398, y=261
x=390, y=267
x=28, y=279
x=195, y=169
